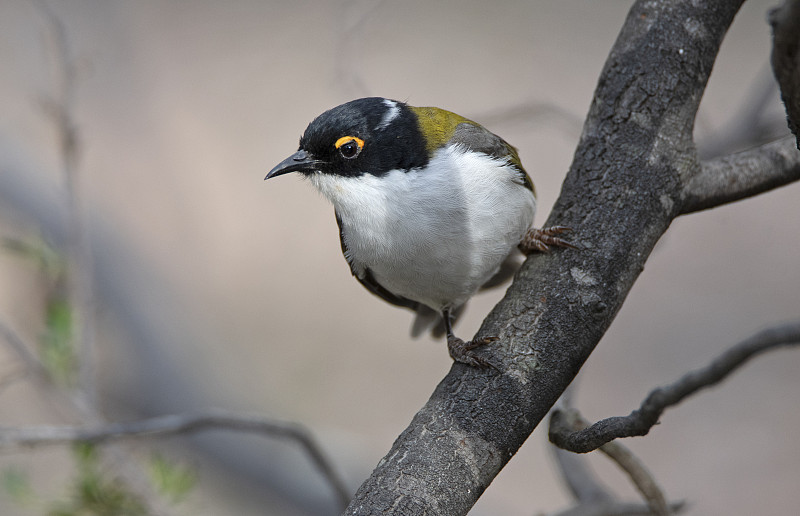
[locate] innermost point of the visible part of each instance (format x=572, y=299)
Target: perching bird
x=429, y=204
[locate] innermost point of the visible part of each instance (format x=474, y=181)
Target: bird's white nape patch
x=392, y=110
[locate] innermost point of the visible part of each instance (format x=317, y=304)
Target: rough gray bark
x=627, y=182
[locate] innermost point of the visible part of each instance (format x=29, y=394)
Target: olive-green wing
x=441, y=127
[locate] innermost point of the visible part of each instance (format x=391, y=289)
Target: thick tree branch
x=744, y=174
x=622, y=191
x=179, y=424
x=785, y=21
x=640, y=421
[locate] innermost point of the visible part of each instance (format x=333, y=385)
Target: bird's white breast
x=433, y=235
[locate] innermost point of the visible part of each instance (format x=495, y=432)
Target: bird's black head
x=365, y=136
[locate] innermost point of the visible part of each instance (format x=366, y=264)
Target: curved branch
x=640, y=421
x=620, y=195
x=585, y=488
x=178, y=424
x=744, y=174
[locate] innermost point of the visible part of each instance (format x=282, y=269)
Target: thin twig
x=581, y=481
x=591, y=496
x=641, y=420
x=42, y=435
x=625, y=459
x=641, y=477
x=17, y=345
x=80, y=283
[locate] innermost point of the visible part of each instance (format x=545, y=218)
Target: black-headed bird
x=431, y=206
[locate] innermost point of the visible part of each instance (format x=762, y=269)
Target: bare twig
x=42, y=435
x=624, y=458
x=17, y=344
x=581, y=481
x=76, y=403
x=591, y=496
x=80, y=281
x=641, y=420
x=741, y=175
x=641, y=477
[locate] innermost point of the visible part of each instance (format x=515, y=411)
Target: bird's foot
x=464, y=351
x=541, y=239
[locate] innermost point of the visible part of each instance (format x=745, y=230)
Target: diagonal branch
x=640, y=421
x=179, y=424
x=744, y=174
x=620, y=195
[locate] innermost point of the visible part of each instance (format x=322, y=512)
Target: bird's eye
x=349, y=146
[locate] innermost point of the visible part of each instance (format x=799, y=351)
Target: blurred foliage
x=173, y=481
x=94, y=490
x=96, y=493
x=17, y=486
x=48, y=259
x=56, y=344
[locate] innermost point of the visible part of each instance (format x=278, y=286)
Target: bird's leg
x=540, y=239
x=462, y=351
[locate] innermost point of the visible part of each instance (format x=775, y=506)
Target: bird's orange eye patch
x=349, y=146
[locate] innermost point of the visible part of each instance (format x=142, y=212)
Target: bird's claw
x=541, y=239
x=463, y=351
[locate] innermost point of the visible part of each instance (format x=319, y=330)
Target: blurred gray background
x=217, y=289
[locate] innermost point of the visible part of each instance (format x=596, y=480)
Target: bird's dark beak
x=300, y=161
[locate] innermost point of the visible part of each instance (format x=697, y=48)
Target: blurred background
x=215, y=289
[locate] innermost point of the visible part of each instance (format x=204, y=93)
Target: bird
x=431, y=206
